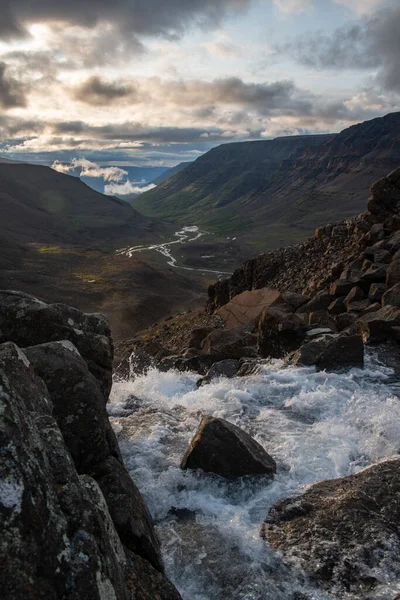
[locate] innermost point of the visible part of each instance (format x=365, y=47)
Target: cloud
x=87, y=168
x=290, y=6
x=132, y=17
x=362, y=7
x=12, y=93
x=372, y=43
x=126, y=188
x=97, y=91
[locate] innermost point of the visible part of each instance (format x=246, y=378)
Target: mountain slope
x=276, y=192
x=170, y=173
x=40, y=205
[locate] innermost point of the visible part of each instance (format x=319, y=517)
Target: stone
x=341, y=287
x=323, y=319
x=197, y=336
x=226, y=450
x=331, y=353
x=393, y=274
x=337, y=530
x=337, y=306
x=358, y=306
x=377, y=326
x=393, y=242
x=392, y=296
x=27, y=321
x=355, y=294
x=375, y=274
x=223, y=368
x=294, y=300
x=58, y=538
x=345, y=320
x=320, y=301
x=279, y=333
x=376, y=291
x=318, y=332
x=227, y=343
x=248, y=306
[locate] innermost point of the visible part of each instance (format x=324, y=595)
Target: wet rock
x=323, y=319
x=197, y=336
x=228, y=343
x=331, y=353
x=392, y=296
x=27, y=321
x=337, y=306
x=226, y=450
x=343, y=529
x=345, y=320
x=279, y=333
x=318, y=332
x=225, y=368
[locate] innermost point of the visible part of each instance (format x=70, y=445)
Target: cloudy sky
x=157, y=82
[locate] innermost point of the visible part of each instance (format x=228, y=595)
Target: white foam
x=316, y=425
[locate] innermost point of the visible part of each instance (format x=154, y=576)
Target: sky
x=157, y=82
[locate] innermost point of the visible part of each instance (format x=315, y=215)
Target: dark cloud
x=12, y=93
x=373, y=43
x=133, y=17
x=99, y=92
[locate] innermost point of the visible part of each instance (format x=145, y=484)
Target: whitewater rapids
x=316, y=426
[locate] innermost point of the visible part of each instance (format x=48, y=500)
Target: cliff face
x=73, y=523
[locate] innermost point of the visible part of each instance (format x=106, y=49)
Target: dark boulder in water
x=340, y=530
x=331, y=352
x=226, y=450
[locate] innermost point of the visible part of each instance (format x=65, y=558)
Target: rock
x=225, y=368
x=392, y=296
x=331, y=353
x=341, y=287
x=318, y=332
x=393, y=242
x=322, y=318
x=342, y=530
x=376, y=292
x=294, y=300
x=345, y=320
x=197, y=336
x=279, y=333
x=58, y=538
x=27, y=321
x=371, y=308
x=375, y=274
x=82, y=418
x=227, y=343
x=360, y=306
x=247, y=307
x=393, y=274
x=375, y=234
x=337, y=306
x=355, y=294
x=377, y=326
x=321, y=301
x=226, y=450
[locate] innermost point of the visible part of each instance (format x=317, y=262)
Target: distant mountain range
x=275, y=192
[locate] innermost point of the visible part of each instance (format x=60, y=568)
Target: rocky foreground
x=73, y=523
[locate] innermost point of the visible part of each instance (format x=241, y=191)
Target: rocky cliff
x=73, y=523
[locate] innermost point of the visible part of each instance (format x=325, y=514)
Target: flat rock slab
x=248, y=306
x=226, y=450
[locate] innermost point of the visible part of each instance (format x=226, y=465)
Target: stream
x=183, y=236
x=316, y=425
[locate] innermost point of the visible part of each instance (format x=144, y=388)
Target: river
x=316, y=425
x=183, y=236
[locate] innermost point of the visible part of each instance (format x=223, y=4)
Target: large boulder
x=226, y=450
x=392, y=296
x=378, y=326
x=342, y=531
x=27, y=321
x=82, y=417
x=228, y=343
x=279, y=332
x=331, y=353
x=58, y=539
x=247, y=307
x=223, y=368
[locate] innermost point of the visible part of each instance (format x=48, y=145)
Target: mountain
x=40, y=205
x=170, y=173
x=274, y=192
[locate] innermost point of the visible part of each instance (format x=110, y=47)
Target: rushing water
x=183, y=236
x=316, y=426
